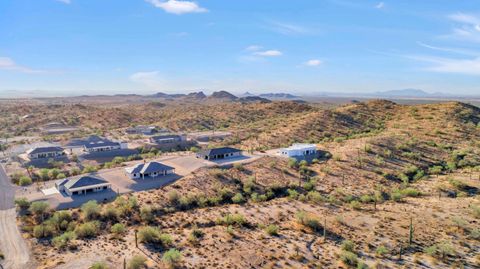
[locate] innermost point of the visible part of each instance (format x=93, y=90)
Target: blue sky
x=75, y=47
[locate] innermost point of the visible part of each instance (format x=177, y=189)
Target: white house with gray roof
x=45, y=152
x=82, y=185
x=150, y=169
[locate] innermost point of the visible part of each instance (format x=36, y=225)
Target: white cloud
x=451, y=65
x=150, y=79
x=269, y=53
x=286, y=28
x=380, y=5
x=178, y=6
x=468, y=28
x=9, y=64
x=313, y=62
x=451, y=50
x=253, y=48
x=65, y=1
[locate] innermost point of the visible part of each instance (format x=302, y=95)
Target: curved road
x=12, y=244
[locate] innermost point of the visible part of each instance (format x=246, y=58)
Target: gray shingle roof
x=83, y=182
x=102, y=143
x=151, y=167
x=45, y=150
x=218, y=151
x=160, y=137
x=80, y=142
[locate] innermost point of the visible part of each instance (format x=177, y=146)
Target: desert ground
x=394, y=186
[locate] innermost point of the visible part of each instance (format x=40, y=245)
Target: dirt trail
x=12, y=244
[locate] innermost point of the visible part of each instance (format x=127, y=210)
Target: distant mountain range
x=406, y=93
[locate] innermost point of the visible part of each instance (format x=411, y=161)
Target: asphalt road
x=12, y=245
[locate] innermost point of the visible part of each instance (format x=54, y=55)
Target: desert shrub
x=24, y=181
x=367, y=198
x=149, y=235
x=238, y=198
x=146, y=214
x=61, y=219
x=396, y=196
x=435, y=170
x=458, y=184
x=87, y=229
x=43, y=231
x=272, y=230
x=217, y=173
x=172, y=257
x=118, y=229
x=63, y=240
x=22, y=203
x=308, y=221
x=410, y=192
x=195, y=235
x=91, y=210
x=292, y=163
x=475, y=234
x=349, y=258
x=173, y=197
x=99, y=265
x=460, y=223
x=249, y=185
x=476, y=211
x=238, y=166
x=39, y=208
x=442, y=249
x=347, y=245
x=292, y=194
x=232, y=219
x=355, y=205
x=226, y=194
x=230, y=230
x=137, y=262
x=152, y=235
x=315, y=197
x=132, y=202
x=111, y=213
x=381, y=251
x=89, y=169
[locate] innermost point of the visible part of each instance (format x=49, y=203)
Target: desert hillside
x=397, y=186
